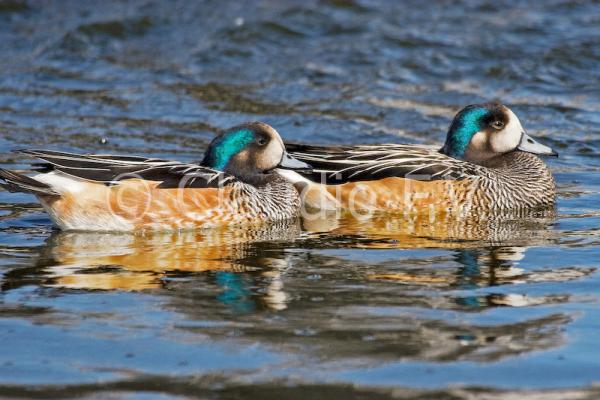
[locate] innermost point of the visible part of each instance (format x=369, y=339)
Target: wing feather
x=110, y=169
x=341, y=164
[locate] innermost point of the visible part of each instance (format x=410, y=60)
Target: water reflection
x=101, y=261
x=339, y=309
x=487, y=253
x=441, y=230
x=302, y=292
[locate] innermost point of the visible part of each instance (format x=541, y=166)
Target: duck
x=488, y=163
x=234, y=184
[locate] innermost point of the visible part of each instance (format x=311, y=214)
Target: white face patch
x=479, y=141
x=270, y=156
x=508, y=138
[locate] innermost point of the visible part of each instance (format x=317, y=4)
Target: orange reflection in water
x=137, y=262
x=439, y=231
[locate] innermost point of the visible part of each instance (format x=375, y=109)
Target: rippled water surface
x=338, y=307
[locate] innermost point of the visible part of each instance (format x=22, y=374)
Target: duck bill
x=530, y=145
x=289, y=162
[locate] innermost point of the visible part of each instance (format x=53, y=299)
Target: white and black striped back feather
x=111, y=169
x=341, y=164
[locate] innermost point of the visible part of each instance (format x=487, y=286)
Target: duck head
x=481, y=132
x=248, y=150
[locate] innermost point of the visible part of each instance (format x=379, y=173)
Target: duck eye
x=497, y=124
x=261, y=141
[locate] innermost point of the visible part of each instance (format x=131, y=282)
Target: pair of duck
x=488, y=163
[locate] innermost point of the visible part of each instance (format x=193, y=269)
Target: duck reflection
x=443, y=231
x=485, y=268
x=233, y=258
x=500, y=266
x=426, y=308
x=489, y=267
x=408, y=302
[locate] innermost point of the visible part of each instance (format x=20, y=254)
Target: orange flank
x=408, y=196
x=137, y=204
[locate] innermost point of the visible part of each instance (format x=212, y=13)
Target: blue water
x=330, y=308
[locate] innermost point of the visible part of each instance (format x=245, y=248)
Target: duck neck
x=524, y=177
x=273, y=197
x=256, y=179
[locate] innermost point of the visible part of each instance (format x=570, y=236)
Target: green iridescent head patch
x=464, y=126
x=226, y=146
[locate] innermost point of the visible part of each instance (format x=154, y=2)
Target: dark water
x=334, y=308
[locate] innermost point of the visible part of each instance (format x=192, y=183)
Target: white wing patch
x=61, y=183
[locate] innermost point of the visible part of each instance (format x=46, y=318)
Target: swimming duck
x=488, y=163
x=234, y=184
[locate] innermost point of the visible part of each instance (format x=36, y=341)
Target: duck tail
x=15, y=182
